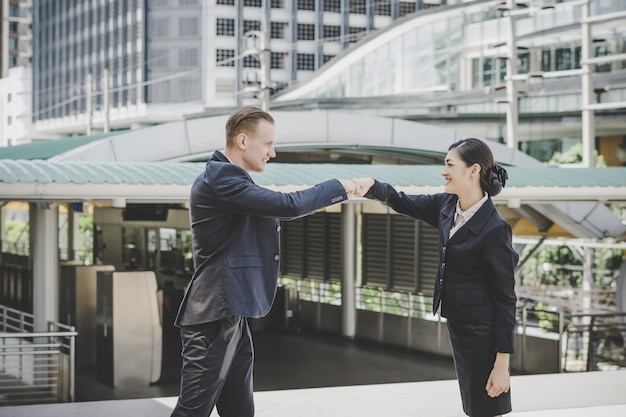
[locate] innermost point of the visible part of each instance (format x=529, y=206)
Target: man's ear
x=241, y=141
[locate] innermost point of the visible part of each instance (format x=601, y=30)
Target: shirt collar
x=467, y=214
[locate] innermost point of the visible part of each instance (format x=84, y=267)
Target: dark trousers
x=218, y=359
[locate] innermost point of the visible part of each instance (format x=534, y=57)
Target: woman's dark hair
x=474, y=151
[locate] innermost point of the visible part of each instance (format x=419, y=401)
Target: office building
x=101, y=65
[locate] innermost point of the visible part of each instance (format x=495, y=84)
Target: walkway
x=299, y=375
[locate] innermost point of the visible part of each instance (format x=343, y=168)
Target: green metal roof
x=49, y=148
x=119, y=183
x=280, y=175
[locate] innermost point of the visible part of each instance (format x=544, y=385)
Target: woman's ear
x=476, y=169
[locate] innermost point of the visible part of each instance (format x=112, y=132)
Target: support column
x=512, y=118
x=45, y=258
x=588, y=126
x=587, y=286
x=348, y=256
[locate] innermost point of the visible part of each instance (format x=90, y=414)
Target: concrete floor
x=292, y=361
x=306, y=375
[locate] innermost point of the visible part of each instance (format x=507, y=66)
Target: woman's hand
x=499, y=380
x=362, y=186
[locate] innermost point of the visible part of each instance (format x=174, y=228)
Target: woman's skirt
x=473, y=348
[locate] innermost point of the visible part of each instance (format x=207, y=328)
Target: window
x=13, y=27
x=251, y=62
x=278, y=30
x=13, y=44
x=356, y=33
x=9, y=120
x=603, y=50
x=406, y=7
x=488, y=71
x=160, y=28
x=332, y=33
x=328, y=58
x=306, y=62
x=225, y=27
x=188, y=57
x=332, y=6
x=226, y=2
x=546, y=61
x=253, y=3
x=306, y=32
x=249, y=25
x=523, y=63
x=14, y=11
x=306, y=4
x=222, y=55
x=382, y=8
x=188, y=26
x=563, y=59
x=278, y=4
x=277, y=60
x=9, y=97
x=358, y=6
x=159, y=58
x=188, y=2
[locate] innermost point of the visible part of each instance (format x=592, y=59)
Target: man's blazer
x=475, y=279
x=235, y=232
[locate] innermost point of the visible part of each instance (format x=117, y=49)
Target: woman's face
x=456, y=173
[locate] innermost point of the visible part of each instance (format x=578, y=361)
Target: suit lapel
x=475, y=224
x=447, y=220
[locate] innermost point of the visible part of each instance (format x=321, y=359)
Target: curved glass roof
x=436, y=50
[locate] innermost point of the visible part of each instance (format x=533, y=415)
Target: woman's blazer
x=475, y=279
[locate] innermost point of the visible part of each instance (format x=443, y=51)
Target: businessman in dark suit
x=235, y=230
x=476, y=275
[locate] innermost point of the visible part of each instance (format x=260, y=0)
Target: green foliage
x=16, y=236
x=574, y=155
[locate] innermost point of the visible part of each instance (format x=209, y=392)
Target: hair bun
x=497, y=179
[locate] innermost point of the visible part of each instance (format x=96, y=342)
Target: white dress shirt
x=461, y=217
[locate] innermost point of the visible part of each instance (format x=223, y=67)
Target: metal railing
x=35, y=367
x=586, y=340
x=595, y=342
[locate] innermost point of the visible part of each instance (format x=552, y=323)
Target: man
x=235, y=230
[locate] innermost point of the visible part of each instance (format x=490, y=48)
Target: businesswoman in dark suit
x=475, y=279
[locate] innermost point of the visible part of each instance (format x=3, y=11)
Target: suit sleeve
x=502, y=259
x=234, y=190
x=422, y=207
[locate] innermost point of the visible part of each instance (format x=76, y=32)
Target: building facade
x=15, y=34
x=451, y=67
x=104, y=64
x=15, y=107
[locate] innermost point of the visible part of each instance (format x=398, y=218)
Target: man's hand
x=362, y=186
x=349, y=186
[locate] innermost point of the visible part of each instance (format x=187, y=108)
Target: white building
x=15, y=107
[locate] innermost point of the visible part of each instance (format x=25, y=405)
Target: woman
x=475, y=279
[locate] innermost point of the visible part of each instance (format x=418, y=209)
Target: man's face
x=259, y=147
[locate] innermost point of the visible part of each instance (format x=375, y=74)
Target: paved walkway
x=553, y=395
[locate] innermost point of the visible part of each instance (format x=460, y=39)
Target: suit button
x=444, y=250
x=441, y=280
x=443, y=265
x=278, y=229
x=276, y=257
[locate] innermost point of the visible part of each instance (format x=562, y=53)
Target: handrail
x=39, y=365
x=559, y=321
